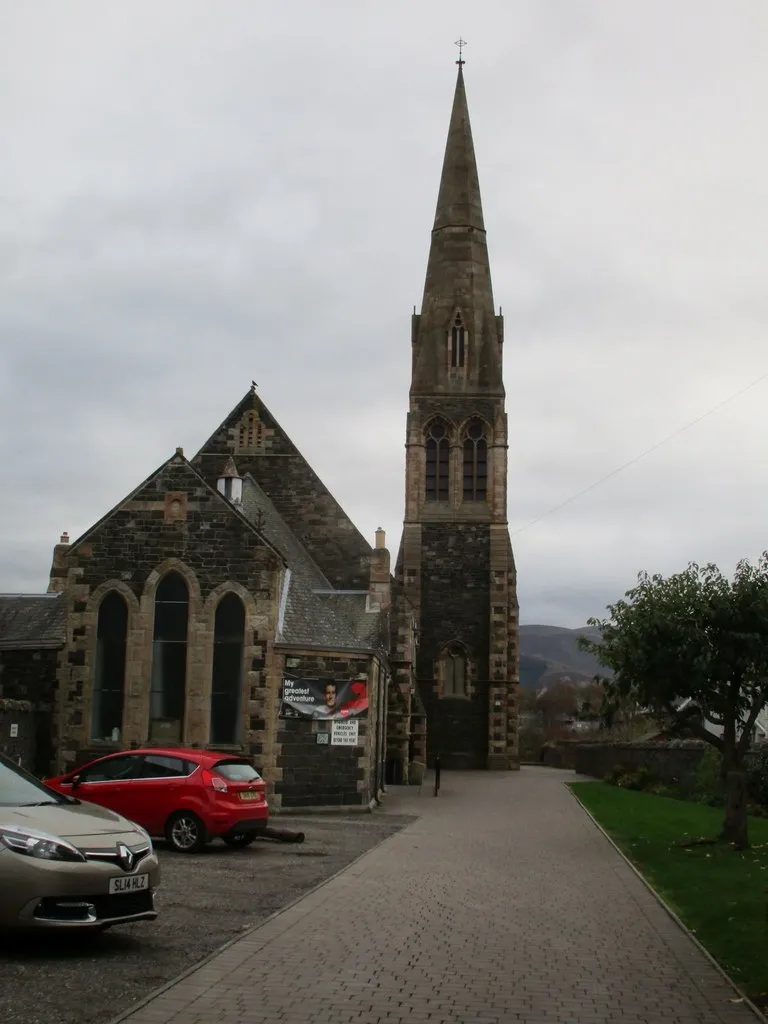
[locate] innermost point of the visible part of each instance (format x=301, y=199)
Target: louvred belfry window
x=438, y=461
x=250, y=434
x=475, y=462
x=458, y=342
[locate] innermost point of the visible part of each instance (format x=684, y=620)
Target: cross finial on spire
x=461, y=43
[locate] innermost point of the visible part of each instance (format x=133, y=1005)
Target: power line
x=642, y=455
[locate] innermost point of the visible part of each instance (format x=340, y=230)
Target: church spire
x=458, y=280
x=458, y=202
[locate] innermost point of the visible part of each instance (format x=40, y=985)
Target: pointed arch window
x=438, y=462
x=475, y=462
x=109, y=669
x=458, y=342
x=169, y=659
x=454, y=671
x=227, y=678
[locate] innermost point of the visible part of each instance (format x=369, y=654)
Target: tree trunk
x=735, y=824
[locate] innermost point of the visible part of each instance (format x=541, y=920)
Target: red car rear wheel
x=185, y=832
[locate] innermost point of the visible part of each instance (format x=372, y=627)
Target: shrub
x=707, y=785
x=615, y=774
x=639, y=779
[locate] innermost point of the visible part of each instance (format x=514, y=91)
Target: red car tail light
x=216, y=782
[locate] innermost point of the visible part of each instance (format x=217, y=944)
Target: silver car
x=69, y=864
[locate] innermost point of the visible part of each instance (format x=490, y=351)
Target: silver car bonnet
x=69, y=821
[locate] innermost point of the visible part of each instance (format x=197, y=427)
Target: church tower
x=455, y=567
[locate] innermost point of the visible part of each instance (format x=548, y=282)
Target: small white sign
x=323, y=737
x=344, y=732
x=14, y=731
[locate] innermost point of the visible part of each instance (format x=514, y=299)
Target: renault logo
x=125, y=857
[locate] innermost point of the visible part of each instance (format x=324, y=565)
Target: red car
x=188, y=796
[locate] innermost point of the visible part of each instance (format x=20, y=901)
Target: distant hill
x=547, y=653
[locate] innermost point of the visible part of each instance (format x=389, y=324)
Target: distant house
x=759, y=733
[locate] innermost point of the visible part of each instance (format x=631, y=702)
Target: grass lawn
x=721, y=895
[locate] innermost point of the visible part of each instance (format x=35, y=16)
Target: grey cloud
x=191, y=201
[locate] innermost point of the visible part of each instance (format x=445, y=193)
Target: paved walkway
x=501, y=903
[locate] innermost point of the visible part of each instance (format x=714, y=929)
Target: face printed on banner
x=323, y=698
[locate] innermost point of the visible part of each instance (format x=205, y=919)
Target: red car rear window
x=236, y=771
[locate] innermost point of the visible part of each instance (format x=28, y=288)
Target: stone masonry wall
x=311, y=774
x=455, y=605
x=665, y=762
x=378, y=725
x=400, y=732
x=453, y=578
x=29, y=676
x=457, y=408
x=18, y=739
x=173, y=522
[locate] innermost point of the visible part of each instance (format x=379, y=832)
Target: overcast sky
x=195, y=194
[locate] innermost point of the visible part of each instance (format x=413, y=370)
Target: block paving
x=502, y=902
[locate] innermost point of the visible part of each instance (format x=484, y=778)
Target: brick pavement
x=501, y=903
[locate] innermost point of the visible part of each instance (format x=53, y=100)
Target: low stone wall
x=558, y=755
x=667, y=762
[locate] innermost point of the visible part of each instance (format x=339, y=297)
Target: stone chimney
x=380, y=585
x=59, y=568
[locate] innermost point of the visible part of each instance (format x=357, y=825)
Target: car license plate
x=128, y=883
x=248, y=794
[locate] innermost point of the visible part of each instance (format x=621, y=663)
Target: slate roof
x=32, y=621
x=351, y=606
x=279, y=467
x=315, y=615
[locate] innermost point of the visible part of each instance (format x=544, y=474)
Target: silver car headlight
x=31, y=843
x=144, y=835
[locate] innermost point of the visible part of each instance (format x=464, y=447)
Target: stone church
x=195, y=610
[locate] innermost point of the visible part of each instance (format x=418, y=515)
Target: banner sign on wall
x=323, y=698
